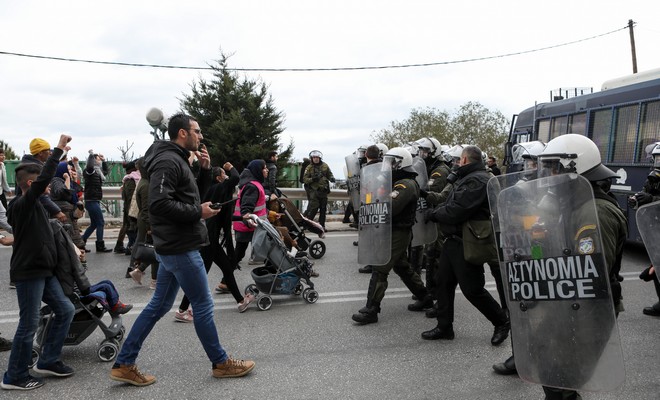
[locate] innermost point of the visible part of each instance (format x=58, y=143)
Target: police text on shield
x=557, y=278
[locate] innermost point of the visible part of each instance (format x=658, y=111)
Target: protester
x=32, y=272
x=95, y=174
x=179, y=232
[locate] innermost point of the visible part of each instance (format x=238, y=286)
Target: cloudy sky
x=103, y=106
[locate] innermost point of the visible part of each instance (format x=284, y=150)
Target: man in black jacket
x=179, y=232
x=270, y=184
x=467, y=201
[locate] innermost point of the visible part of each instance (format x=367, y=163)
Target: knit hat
x=38, y=145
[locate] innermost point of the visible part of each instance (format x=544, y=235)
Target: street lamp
x=158, y=122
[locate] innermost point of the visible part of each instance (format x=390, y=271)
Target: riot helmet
x=573, y=153
x=455, y=153
x=361, y=151
x=656, y=156
x=413, y=148
x=427, y=149
x=526, y=154
x=315, y=153
x=399, y=158
x=383, y=149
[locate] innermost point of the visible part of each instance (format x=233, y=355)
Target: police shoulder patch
x=394, y=194
x=586, y=245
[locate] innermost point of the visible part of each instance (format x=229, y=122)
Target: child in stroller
x=282, y=272
x=292, y=227
x=89, y=312
x=90, y=301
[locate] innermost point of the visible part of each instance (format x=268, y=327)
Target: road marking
x=229, y=303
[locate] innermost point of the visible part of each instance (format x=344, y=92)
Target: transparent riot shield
x=423, y=232
x=353, y=179
x=375, y=228
x=648, y=223
x=562, y=314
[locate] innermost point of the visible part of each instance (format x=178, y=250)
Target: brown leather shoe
x=131, y=374
x=232, y=368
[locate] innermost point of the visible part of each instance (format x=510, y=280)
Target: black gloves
x=428, y=215
x=639, y=199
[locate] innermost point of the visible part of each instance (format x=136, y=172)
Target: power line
x=432, y=64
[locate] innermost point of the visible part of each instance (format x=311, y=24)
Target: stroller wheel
x=120, y=336
x=252, y=289
x=317, y=249
x=108, y=350
x=265, y=303
x=312, y=296
x=35, y=357
x=298, y=289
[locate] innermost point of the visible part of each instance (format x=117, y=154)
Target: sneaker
x=5, y=344
x=254, y=262
x=247, y=299
x=55, y=369
x=183, y=316
x=128, y=272
x=232, y=368
x=130, y=374
x=120, y=308
x=221, y=288
x=152, y=285
x=28, y=383
x=137, y=275
x=314, y=274
x=12, y=285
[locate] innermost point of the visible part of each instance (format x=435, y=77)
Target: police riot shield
x=375, y=228
x=353, y=179
x=562, y=315
x=423, y=232
x=648, y=223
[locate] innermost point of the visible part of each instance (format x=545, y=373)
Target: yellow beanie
x=38, y=145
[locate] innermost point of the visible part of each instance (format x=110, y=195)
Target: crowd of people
x=429, y=190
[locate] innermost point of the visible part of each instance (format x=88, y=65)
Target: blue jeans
x=186, y=269
x=96, y=220
x=30, y=293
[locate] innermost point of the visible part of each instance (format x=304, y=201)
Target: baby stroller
x=282, y=273
x=296, y=224
x=88, y=315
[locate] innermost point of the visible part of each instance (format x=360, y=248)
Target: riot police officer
x=650, y=193
x=467, y=201
x=573, y=223
x=317, y=178
x=404, y=195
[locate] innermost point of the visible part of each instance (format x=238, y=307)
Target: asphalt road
x=309, y=351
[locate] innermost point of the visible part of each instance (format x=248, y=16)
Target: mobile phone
x=215, y=206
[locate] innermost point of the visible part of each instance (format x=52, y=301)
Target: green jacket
x=405, y=193
x=318, y=177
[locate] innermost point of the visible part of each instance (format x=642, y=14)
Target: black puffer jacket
x=175, y=212
x=94, y=177
x=467, y=201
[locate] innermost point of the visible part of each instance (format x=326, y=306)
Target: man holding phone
x=179, y=232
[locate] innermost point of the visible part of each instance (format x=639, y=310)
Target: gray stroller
x=282, y=273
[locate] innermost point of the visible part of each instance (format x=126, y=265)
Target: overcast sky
x=104, y=106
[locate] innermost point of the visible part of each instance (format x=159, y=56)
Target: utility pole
x=632, y=45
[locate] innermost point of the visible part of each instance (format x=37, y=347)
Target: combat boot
x=368, y=317
x=422, y=304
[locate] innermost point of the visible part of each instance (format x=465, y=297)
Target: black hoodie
x=175, y=212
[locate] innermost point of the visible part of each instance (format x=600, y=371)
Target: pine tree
x=237, y=116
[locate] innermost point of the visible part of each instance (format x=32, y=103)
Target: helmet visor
x=392, y=162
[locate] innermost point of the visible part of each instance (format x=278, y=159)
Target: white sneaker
x=152, y=285
x=137, y=275
x=247, y=299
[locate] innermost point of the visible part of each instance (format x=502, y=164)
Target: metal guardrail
x=113, y=203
